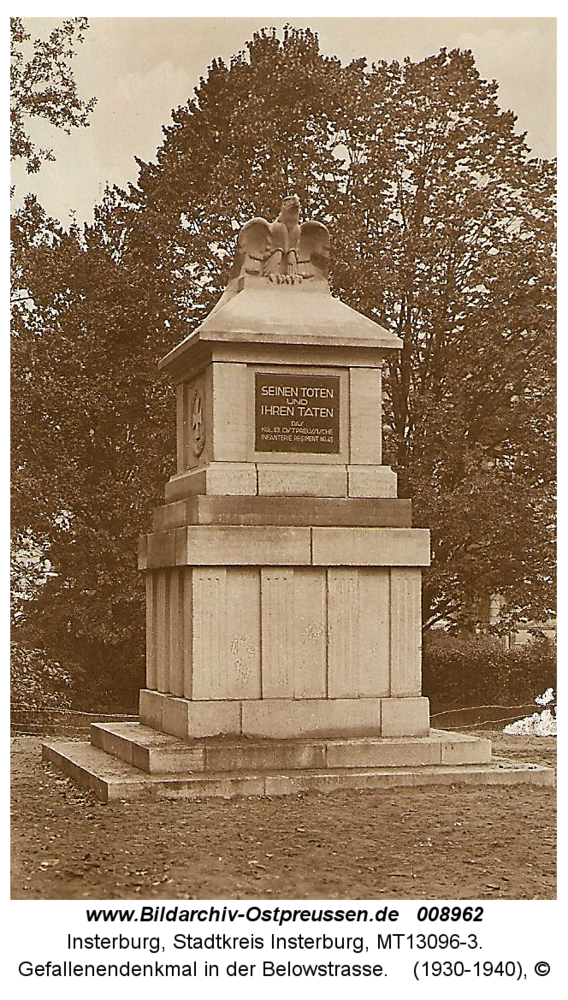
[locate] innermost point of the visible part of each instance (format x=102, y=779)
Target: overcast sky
x=139, y=69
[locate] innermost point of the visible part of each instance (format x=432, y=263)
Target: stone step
x=110, y=778
x=158, y=753
x=147, y=749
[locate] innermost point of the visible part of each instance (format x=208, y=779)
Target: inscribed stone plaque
x=297, y=413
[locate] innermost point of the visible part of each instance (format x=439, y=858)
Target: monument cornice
x=285, y=315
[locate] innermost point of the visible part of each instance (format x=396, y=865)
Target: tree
x=442, y=228
x=465, y=220
x=93, y=443
x=42, y=86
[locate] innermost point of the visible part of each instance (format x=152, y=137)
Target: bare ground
x=493, y=842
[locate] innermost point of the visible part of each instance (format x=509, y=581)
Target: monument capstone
x=283, y=576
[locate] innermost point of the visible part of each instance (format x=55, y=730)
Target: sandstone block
x=186, y=484
x=229, y=414
x=226, y=633
x=293, y=633
x=243, y=545
x=374, y=635
x=286, y=718
x=209, y=786
x=151, y=704
x=175, y=626
x=161, y=549
x=405, y=631
x=216, y=478
x=343, y=633
x=142, y=551
x=371, y=546
x=365, y=416
x=277, y=632
x=151, y=632
x=298, y=781
x=309, y=633
x=230, y=478
x=162, y=630
x=371, y=481
x=148, y=749
x=104, y=738
x=271, y=755
x=191, y=720
x=405, y=716
x=182, y=426
x=472, y=751
x=274, y=510
x=279, y=479
x=266, y=351
x=383, y=753
x=177, y=514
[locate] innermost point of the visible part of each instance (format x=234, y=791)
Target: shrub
x=465, y=669
x=36, y=682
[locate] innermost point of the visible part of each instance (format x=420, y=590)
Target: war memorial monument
x=283, y=576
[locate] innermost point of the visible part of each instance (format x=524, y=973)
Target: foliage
x=29, y=569
x=466, y=223
x=42, y=86
x=37, y=682
x=443, y=231
x=473, y=669
x=93, y=446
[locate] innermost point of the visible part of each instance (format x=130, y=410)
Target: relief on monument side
x=197, y=422
x=226, y=633
x=192, y=422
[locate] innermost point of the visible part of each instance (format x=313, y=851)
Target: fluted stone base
x=284, y=631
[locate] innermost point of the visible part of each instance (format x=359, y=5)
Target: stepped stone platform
x=130, y=761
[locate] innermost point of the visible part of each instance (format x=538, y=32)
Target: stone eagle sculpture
x=285, y=251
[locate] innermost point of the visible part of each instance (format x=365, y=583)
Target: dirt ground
x=409, y=843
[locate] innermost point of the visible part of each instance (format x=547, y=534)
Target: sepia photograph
x=283, y=397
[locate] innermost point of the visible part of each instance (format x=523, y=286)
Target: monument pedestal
x=294, y=612
x=283, y=575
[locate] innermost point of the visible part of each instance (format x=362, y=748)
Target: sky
x=139, y=69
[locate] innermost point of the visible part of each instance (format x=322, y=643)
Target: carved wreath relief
x=197, y=421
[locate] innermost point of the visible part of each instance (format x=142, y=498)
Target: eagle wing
x=313, y=250
x=253, y=247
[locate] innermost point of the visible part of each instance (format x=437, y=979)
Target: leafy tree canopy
x=42, y=86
